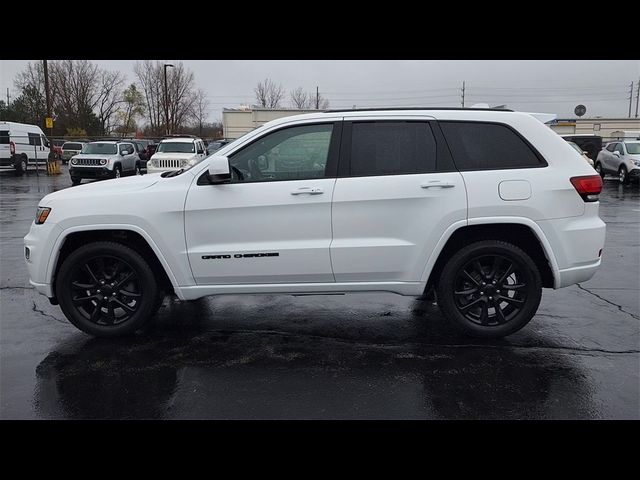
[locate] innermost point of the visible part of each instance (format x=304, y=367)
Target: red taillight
x=12, y=148
x=588, y=187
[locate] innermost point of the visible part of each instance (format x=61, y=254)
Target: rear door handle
x=307, y=191
x=437, y=183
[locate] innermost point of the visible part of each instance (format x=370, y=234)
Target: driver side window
x=296, y=153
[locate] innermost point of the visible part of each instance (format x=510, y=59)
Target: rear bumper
x=571, y=276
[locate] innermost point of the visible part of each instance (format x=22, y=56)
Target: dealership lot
x=377, y=356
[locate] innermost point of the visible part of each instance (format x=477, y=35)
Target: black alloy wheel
x=107, y=289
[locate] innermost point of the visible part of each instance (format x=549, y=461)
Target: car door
x=396, y=194
x=608, y=158
x=272, y=223
x=618, y=159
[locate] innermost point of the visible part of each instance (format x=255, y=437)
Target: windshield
x=72, y=146
x=176, y=147
x=103, y=148
x=633, y=148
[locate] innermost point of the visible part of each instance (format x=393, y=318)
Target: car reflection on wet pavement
x=361, y=356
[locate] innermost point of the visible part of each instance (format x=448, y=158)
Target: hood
x=173, y=156
x=102, y=188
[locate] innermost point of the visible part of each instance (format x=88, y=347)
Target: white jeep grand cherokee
x=485, y=206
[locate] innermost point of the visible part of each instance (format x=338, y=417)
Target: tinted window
x=482, y=146
x=34, y=139
x=619, y=149
x=611, y=146
x=72, y=146
x=392, y=148
x=126, y=146
x=4, y=137
x=295, y=153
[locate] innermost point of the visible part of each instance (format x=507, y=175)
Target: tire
x=598, y=167
x=93, y=298
x=137, y=170
x=21, y=164
x=75, y=181
x=117, y=171
x=623, y=175
x=476, y=320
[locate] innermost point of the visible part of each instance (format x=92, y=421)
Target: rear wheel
x=623, y=176
x=107, y=289
x=598, y=168
x=489, y=289
x=21, y=163
x=138, y=171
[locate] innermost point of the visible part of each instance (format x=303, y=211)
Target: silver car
x=620, y=158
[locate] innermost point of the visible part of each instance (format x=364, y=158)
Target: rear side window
x=488, y=146
x=392, y=148
x=4, y=137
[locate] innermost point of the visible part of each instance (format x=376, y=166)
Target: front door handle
x=307, y=191
x=437, y=183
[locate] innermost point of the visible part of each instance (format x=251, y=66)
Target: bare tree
x=268, y=94
x=300, y=99
x=181, y=94
x=109, y=98
x=200, y=109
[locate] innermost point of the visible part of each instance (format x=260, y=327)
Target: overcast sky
x=555, y=86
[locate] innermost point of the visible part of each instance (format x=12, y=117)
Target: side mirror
x=219, y=171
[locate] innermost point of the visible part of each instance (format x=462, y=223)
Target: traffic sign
x=49, y=122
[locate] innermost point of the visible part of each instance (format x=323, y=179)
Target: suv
x=621, y=159
x=486, y=207
x=69, y=149
x=105, y=159
x=176, y=153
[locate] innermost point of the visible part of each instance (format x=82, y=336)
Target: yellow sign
x=49, y=122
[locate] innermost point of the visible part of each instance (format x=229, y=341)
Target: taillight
x=588, y=187
x=12, y=148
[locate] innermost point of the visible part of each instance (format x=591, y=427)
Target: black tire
x=85, y=293
x=598, y=167
x=138, y=171
x=623, y=175
x=75, y=181
x=21, y=163
x=117, y=171
x=512, y=312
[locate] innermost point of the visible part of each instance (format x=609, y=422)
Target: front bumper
x=634, y=174
x=39, y=242
x=90, y=172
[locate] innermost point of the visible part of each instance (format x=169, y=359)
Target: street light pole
x=166, y=100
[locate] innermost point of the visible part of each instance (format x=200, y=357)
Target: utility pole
x=317, y=98
x=9, y=102
x=630, y=98
x=463, y=89
x=47, y=93
x=166, y=100
x=637, y=96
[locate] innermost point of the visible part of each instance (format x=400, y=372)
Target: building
x=238, y=121
x=607, y=128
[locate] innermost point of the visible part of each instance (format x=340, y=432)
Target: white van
x=22, y=145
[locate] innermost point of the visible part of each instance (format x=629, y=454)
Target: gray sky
x=555, y=86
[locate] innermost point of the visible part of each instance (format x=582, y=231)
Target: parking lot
x=362, y=356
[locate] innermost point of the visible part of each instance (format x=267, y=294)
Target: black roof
x=372, y=109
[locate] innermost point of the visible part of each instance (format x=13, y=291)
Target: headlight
x=74, y=161
x=103, y=162
x=41, y=215
x=636, y=163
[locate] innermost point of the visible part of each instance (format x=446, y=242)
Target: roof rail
x=373, y=109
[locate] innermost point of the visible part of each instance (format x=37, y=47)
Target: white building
x=238, y=121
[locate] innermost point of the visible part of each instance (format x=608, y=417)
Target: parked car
x=216, y=145
x=621, y=159
x=69, y=149
x=105, y=159
x=582, y=153
x=588, y=142
x=22, y=145
x=176, y=153
x=485, y=206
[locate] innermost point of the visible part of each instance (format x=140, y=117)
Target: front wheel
x=107, y=289
x=489, y=289
x=75, y=181
x=117, y=171
x=138, y=171
x=623, y=176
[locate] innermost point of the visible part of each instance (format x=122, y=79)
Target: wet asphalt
x=361, y=356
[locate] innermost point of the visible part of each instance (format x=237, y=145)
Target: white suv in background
x=486, y=207
x=176, y=153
